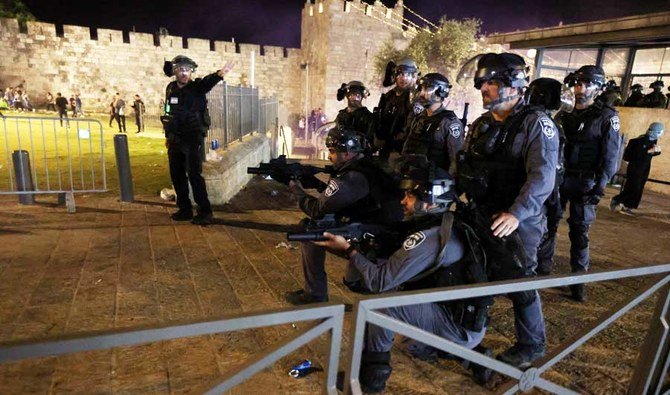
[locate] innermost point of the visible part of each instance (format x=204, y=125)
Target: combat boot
x=375, y=371
x=578, y=292
x=182, y=215
x=480, y=374
x=203, y=219
x=522, y=356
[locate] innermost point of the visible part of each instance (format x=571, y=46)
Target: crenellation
x=9, y=25
x=110, y=36
x=41, y=29
x=78, y=33
x=198, y=44
x=143, y=40
x=245, y=49
x=174, y=42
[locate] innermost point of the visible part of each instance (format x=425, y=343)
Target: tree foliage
x=16, y=9
x=439, y=50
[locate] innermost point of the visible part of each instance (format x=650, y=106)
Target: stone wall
x=227, y=177
x=97, y=68
x=634, y=122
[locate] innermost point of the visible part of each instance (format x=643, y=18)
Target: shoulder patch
x=548, y=127
x=413, y=241
x=455, y=130
x=616, y=124
x=331, y=189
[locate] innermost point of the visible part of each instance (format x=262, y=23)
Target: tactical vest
x=382, y=203
x=358, y=120
x=583, y=133
x=394, y=111
x=488, y=172
x=472, y=313
x=421, y=138
x=188, y=113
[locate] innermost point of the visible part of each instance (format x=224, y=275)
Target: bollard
x=123, y=166
x=23, y=175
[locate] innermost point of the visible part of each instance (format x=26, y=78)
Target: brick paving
x=114, y=265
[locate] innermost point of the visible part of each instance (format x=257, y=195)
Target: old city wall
x=128, y=62
x=339, y=43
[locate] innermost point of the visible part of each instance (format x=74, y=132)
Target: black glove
x=594, y=195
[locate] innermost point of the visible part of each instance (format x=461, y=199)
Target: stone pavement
x=114, y=265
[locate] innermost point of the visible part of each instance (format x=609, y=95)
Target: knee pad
x=524, y=298
x=579, y=237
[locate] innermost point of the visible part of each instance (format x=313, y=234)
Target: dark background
x=275, y=22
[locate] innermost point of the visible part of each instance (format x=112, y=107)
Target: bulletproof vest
x=472, y=313
x=187, y=110
x=358, y=120
x=394, y=112
x=489, y=173
x=583, y=133
x=421, y=138
x=654, y=100
x=382, y=204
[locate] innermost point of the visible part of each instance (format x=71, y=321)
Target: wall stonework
x=99, y=68
x=337, y=46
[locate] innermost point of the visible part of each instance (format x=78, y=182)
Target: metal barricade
x=652, y=365
x=330, y=318
x=65, y=156
x=236, y=111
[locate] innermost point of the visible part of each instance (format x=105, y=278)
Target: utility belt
x=580, y=174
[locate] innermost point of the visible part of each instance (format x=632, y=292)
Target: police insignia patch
x=331, y=189
x=455, y=130
x=616, y=125
x=548, y=127
x=413, y=241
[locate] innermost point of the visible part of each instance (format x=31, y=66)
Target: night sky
x=275, y=22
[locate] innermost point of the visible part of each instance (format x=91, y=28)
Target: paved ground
x=114, y=265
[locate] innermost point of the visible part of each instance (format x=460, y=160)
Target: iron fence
x=48, y=155
x=651, y=368
x=236, y=111
x=329, y=316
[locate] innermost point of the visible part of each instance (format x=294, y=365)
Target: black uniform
x=185, y=129
x=591, y=159
x=359, y=120
x=654, y=100
x=359, y=191
x=439, y=137
x=634, y=100
x=639, y=164
x=393, y=113
x=138, y=106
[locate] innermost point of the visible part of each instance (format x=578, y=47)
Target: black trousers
x=186, y=166
x=121, y=120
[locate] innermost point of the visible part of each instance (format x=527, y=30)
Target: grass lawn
x=47, y=143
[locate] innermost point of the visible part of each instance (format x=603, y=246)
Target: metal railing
x=651, y=368
x=330, y=316
x=236, y=111
x=60, y=157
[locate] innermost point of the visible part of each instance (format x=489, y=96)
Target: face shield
x=468, y=71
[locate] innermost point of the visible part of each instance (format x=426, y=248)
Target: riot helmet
x=352, y=87
x=507, y=68
x=550, y=94
x=655, y=130
x=406, y=65
x=432, y=195
x=345, y=140
x=637, y=88
x=179, y=62
x=657, y=85
x=437, y=84
x=590, y=74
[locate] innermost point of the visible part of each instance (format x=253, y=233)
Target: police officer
x=358, y=191
x=436, y=132
x=508, y=171
x=591, y=156
x=636, y=96
x=185, y=122
x=549, y=95
x=638, y=154
x=394, y=107
x=655, y=99
x=611, y=96
x=436, y=253
x=355, y=116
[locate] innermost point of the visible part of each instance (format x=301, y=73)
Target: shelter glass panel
x=614, y=63
x=652, y=61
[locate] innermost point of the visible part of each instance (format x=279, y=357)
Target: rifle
x=373, y=240
x=464, y=120
x=279, y=170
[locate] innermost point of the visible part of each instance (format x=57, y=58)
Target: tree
x=442, y=49
x=16, y=9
